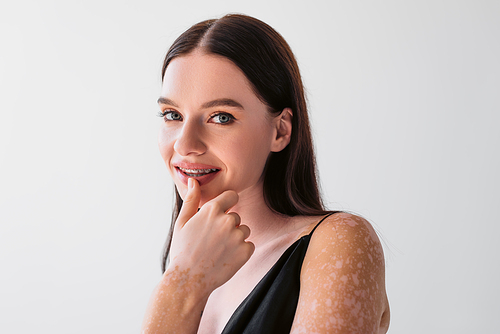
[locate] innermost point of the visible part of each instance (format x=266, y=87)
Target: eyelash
x=231, y=117
x=165, y=113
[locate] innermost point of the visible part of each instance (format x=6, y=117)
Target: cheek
x=165, y=144
x=252, y=151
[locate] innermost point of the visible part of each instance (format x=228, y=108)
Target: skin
x=343, y=280
x=239, y=149
x=221, y=251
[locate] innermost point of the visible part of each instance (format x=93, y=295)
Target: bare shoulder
x=343, y=279
x=345, y=232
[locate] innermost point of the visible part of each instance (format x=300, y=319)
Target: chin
x=205, y=195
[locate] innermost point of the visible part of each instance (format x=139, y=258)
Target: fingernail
x=190, y=183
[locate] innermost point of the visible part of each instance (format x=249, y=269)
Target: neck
x=264, y=223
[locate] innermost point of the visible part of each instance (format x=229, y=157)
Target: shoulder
x=343, y=279
x=345, y=244
x=345, y=232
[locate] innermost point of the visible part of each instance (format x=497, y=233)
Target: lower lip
x=202, y=180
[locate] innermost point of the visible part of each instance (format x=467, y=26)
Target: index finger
x=189, y=204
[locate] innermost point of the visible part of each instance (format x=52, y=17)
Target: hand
x=209, y=243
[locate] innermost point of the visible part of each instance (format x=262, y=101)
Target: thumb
x=190, y=203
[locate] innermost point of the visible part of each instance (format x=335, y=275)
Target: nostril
x=189, y=142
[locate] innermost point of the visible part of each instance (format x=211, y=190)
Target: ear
x=283, y=126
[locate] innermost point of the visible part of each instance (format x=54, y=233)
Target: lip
x=202, y=180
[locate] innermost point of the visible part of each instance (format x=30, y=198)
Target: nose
x=189, y=141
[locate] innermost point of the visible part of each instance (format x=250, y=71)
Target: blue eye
x=170, y=115
x=173, y=116
x=223, y=118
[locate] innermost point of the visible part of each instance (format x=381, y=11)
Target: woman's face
x=215, y=128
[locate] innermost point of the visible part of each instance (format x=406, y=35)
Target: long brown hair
x=290, y=182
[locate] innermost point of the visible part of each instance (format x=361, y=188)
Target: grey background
x=404, y=101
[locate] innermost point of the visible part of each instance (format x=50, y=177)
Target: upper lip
x=188, y=165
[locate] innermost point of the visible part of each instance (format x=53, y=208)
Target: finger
x=235, y=217
x=247, y=250
x=190, y=204
x=250, y=248
x=224, y=201
x=246, y=231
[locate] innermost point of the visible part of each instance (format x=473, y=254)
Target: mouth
x=200, y=172
x=196, y=172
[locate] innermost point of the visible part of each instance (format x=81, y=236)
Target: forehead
x=200, y=77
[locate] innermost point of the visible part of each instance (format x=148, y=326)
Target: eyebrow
x=222, y=103
x=164, y=100
x=210, y=104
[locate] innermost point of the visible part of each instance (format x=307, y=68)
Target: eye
x=170, y=115
x=223, y=118
x=173, y=116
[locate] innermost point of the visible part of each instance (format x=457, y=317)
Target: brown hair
x=290, y=182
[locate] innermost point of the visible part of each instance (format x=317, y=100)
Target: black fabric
x=270, y=307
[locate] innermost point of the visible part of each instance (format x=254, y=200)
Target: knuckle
x=234, y=218
x=188, y=201
x=250, y=248
x=229, y=219
x=213, y=207
x=217, y=206
x=244, y=231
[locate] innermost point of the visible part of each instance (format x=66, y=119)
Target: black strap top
x=270, y=307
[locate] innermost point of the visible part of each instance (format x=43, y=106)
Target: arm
x=176, y=304
x=343, y=280
x=208, y=248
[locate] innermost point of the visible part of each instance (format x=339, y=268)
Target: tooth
x=198, y=171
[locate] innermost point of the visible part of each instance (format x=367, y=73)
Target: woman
x=237, y=143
